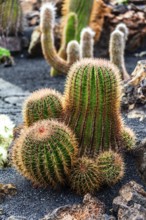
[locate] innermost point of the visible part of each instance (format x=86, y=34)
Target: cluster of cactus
x=60, y=61
x=117, y=48
x=87, y=156
x=10, y=17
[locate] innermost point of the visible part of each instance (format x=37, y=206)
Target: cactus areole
x=92, y=105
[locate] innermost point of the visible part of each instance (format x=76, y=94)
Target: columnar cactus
x=10, y=17
x=47, y=39
x=87, y=43
x=59, y=64
x=73, y=52
x=69, y=33
x=116, y=51
x=42, y=104
x=92, y=105
x=123, y=28
x=82, y=8
x=45, y=153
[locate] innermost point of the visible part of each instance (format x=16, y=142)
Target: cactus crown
x=92, y=105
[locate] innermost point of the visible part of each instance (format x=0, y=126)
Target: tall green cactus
x=83, y=9
x=10, y=17
x=45, y=153
x=92, y=105
x=42, y=104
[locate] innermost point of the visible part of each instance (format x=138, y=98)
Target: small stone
x=16, y=218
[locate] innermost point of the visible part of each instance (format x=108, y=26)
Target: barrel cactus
x=111, y=167
x=42, y=104
x=45, y=153
x=85, y=176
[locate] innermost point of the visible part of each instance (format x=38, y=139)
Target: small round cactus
x=111, y=167
x=85, y=176
x=128, y=139
x=42, y=104
x=45, y=153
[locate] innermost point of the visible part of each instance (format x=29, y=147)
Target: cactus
x=42, y=104
x=123, y=28
x=82, y=8
x=111, y=167
x=85, y=176
x=128, y=138
x=116, y=51
x=47, y=22
x=69, y=33
x=10, y=17
x=45, y=152
x=87, y=43
x=92, y=105
x=73, y=52
x=47, y=40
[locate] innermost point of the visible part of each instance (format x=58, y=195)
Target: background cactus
x=124, y=29
x=45, y=153
x=116, y=51
x=47, y=22
x=73, y=52
x=42, y=104
x=111, y=167
x=92, y=105
x=81, y=8
x=47, y=40
x=85, y=176
x=10, y=17
x=87, y=43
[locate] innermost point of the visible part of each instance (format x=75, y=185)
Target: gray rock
x=131, y=203
x=140, y=157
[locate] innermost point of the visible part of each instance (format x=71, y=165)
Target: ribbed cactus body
x=83, y=10
x=92, y=105
x=10, y=16
x=45, y=153
x=42, y=104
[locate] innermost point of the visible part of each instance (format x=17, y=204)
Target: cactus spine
x=42, y=104
x=87, y=43
x=45, y=153
x=92, y=105
x=116, y=51
x=85, y=176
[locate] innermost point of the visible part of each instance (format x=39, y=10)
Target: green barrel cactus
x=48, y=153
x=111, y=167
x=42, y=104
x=85, y=176
x=45, y=152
